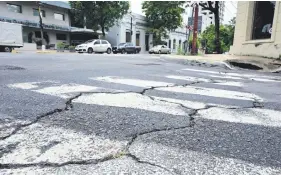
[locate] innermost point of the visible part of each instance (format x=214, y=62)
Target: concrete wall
x=27, y=13
x=243, y=45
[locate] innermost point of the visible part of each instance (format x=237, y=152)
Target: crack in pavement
x=135, y=158
x=125, y=152
x=175, y=85
x=49, y=164
x=68, y=106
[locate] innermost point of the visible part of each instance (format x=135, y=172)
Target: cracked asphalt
x=136, y=114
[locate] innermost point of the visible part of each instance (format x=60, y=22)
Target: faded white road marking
x=192, y=104
x=260, y=78
x=131, y=100
x=225, y=77
x=132, y=82
x=204, y=71
x=265, y=117
x=63, y=90
x=188, y=78
x=212, y=92
x=67, y=145
x=186, y=103
x=230, y=83
x=220, y=82
x=29, y=85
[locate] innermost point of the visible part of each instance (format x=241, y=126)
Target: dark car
x=126, y=48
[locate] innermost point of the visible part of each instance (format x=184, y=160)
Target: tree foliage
x=226, y=37
x=98, y=14
x=162, y=17
x=213, y=6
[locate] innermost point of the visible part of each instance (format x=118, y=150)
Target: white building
x=121, y=32
x=55, y=18
x=206, y=18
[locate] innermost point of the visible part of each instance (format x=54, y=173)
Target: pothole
x=8, y=67
x=245, y=65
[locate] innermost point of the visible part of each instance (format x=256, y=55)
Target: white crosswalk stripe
x=166, y=99
x=166, y=105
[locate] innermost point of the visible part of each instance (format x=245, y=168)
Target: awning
x=83, y=30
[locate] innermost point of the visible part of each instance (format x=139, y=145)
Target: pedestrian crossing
x=224, y=138
x=191, y=94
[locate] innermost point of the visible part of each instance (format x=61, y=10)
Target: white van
x=10, y=36
x=95, y=45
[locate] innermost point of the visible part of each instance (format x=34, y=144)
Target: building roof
x=61, y=4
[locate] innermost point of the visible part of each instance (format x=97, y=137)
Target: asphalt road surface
x=135, y=114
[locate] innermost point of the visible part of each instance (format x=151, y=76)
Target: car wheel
x=108, y=51
x=159, y=52
x=123, y=51
x=7, y=49
x=90, y=50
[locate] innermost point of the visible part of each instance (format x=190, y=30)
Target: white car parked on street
x=95, y=45
x=160, y=49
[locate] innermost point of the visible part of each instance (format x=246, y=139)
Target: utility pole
x=131, y=28
x=187, y=45
x=41, y=26
x=195, y=28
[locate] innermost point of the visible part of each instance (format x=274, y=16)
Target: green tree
x=226, y=37
x=213, y=6
x=98, y=14
x=162, y=17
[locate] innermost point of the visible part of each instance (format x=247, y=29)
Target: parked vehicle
x=160, y=49
x=126, y=48
x=10, y=36
x=95, y=45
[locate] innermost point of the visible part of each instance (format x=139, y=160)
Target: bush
x=60, y=45
x=180, y=51
x=71, y=47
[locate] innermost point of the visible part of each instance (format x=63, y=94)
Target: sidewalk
x=250, y=62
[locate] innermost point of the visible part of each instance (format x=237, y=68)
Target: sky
x=230, y=9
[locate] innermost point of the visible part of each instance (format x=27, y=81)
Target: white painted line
x=131, y=100
x=188, y=78
x=132, y=82
x=204, y=71
x=186, y=103
x=63, y=90
x=264, y=80
x=220, y=82
x=265, y=117
x=225, y=77
x=230, y=83
x=261, y=78
x=212, y=92
x=192, y=104
x=61, y=145
x=28, y=85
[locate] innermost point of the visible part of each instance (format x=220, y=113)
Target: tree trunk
x=41, y=26
x=103, y=32
x=217, y=31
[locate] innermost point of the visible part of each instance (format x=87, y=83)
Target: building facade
x=55, y=19
x=258, y=29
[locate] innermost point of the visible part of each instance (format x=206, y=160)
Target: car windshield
x=121, y=44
